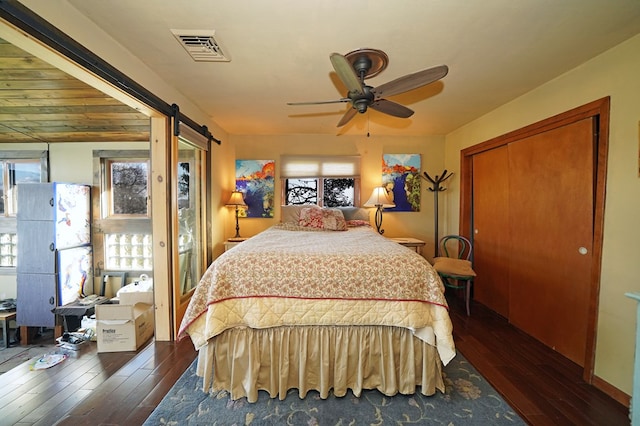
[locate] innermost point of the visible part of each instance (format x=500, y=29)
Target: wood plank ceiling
x=39, y=103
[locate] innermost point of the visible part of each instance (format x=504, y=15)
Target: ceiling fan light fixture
x=361, y=105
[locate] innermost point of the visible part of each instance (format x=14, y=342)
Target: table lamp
x=236, y=200
x=379, y=199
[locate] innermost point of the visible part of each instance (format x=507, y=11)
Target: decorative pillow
x=357, y=222
x=329, y=219
x=451, y=266
x=291, y=214
x=355, y=213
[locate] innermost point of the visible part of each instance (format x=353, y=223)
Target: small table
x=5, y=317
x=414, y=243
x=232, y=242
x=77, y=310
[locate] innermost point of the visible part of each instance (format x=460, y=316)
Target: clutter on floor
x=47, y=361
x=74, y=340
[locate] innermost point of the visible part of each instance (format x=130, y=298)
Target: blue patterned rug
x=469, y=400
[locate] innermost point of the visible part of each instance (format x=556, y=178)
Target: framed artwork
x=401, y=178
x=256, y=180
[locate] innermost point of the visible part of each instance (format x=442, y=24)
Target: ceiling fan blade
x=351, y=112
x=347, y=74
x=410, y=81
x=319, y=102
x=391, y=108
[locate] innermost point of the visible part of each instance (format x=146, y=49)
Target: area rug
x=468, y=400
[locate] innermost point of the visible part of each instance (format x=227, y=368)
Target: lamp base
x=237, y=226
x=379, y=220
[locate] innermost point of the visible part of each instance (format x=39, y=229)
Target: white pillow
x=354, y=213
x=291, y=214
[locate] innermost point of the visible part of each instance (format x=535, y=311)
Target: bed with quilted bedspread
x=312, y=309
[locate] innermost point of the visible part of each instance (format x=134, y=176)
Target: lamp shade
x=379, y=197
x=236, y=199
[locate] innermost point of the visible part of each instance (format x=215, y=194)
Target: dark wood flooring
x=124, y=388
x=544, y=387
x=120, y=388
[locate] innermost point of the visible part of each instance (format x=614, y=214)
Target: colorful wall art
x=256, y=180
x=401, y=178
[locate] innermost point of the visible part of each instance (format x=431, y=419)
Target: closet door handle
x=583, y=250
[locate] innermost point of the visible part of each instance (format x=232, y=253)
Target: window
x=334, y=192
x=122, y=231
x=127, y=184
x=325, y=181
x=16, y=167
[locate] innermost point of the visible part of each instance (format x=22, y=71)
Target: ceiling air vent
x=201, y=45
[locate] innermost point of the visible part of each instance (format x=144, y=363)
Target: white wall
x=614, y=73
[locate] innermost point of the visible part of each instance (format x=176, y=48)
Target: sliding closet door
x=490, y=226
x=551, y=209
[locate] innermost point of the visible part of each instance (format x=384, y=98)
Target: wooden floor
x=120, y=388
x=544, y=387
x=124, y=388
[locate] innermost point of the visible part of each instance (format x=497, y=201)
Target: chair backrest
x=455, y=246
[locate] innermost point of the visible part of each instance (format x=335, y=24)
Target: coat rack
x=436, y=187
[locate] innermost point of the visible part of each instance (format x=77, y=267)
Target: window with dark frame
x=326, y=192
x=327, y=181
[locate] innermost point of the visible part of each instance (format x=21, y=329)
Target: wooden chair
x=453, y=264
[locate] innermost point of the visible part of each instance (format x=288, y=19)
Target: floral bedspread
x=289, y=275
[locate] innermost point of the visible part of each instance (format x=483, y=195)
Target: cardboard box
x=123, y=327
x=133, y=297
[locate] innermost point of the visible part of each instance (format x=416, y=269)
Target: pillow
x=357, y=222
x=448, y=265
x=291, y=214
x=329, y=219
x=355, y=213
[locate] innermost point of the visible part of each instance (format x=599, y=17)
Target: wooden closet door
x=551, y=227
x=490, y=226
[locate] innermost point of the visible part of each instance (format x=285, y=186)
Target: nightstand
x=414, y=243
x=232, y=242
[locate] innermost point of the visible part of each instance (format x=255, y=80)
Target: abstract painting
x=256, y=180
x=401, y=178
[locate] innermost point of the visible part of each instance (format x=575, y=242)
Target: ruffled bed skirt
x=243, y=361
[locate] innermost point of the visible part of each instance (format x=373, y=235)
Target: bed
x=324, y=304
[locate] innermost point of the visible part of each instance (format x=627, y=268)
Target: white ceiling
x=496, y=50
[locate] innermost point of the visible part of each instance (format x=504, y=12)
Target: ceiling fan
x=354, y=67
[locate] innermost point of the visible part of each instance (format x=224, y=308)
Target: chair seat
x=457, y=267
x=453, y=265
